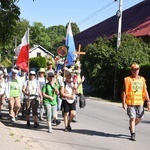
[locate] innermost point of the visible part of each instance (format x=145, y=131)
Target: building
x=135, y=21
x=38, y=50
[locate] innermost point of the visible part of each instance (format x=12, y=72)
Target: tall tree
x=39, y=36
x=75, y=28
x=9, y=13
x=57, y=36
x=20, y=29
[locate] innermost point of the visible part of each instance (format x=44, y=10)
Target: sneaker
x=74, y=120
x=55, y=122
x=58, y=122
x=36, y=125
x=50, y=130
x=133, y=137
x=13, y=119
x=16, y=118
x=69, y=128
x=66, y=129
x=28, y=123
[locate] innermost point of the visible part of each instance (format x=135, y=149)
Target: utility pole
x=119, y=17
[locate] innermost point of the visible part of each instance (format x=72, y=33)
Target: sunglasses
x=32, y=74
x=135, y=69
x=51, y=76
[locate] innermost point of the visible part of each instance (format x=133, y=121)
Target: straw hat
x=42, y=70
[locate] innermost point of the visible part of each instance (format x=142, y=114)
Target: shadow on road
x=97, y=133
x=21, y=123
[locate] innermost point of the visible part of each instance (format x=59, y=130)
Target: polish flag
x=22, y=51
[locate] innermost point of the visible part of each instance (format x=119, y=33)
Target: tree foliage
x=9, y=13
x=38, y=62
x=39, y=36
x=105, y=66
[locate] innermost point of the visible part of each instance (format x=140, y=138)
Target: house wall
x=36, y=51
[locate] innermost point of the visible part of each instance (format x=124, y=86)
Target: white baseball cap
x=32, y=72
x=15, y=70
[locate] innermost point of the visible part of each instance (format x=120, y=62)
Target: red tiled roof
x=141, y=30
x=135, y=20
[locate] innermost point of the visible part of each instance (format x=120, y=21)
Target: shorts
x=68, y=107
x=135, y=111
x=31, y=103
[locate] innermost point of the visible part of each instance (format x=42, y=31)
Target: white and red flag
x=22, y=51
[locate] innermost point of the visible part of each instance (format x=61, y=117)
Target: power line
x=105, y=12
x=93, y=14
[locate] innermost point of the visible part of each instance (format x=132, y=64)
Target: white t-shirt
x=32, y=86
x=42, y=81
x=68, y=87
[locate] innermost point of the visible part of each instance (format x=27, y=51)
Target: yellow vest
x=135, y=89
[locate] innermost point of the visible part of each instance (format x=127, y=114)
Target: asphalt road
x=101, y=126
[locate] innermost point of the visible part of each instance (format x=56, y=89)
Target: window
x=38, y=54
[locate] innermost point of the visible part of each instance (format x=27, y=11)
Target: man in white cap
x=13, y=93
x=31, y=90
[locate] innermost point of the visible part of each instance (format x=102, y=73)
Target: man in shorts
x=133, y=96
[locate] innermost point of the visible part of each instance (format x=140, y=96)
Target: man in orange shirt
x=133, y=96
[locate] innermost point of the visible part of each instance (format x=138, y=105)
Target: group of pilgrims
x=42, y=94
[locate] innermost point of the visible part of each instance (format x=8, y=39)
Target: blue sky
x=85, y=13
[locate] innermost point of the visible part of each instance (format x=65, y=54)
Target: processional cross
x=79, y=53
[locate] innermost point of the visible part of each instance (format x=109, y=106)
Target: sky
x=86, y=13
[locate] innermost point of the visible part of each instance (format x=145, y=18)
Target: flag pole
x=28, y=51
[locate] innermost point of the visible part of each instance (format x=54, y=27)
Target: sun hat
x=42, y=70
x=135, y=66
x=49, y=63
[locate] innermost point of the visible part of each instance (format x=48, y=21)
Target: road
x=101, y=126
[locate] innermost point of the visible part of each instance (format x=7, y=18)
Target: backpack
x=82, y=101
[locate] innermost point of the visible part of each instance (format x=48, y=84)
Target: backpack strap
x=46, y=88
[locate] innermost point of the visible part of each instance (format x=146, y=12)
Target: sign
x=62, y=51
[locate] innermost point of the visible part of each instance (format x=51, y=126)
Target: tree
x=38, y=62
x=39, y=36
x=57, y=36
x=102, y=59
x=75, y=28
x=20, y=29
x=9, y=14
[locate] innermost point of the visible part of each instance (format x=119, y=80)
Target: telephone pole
x=119, y=17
